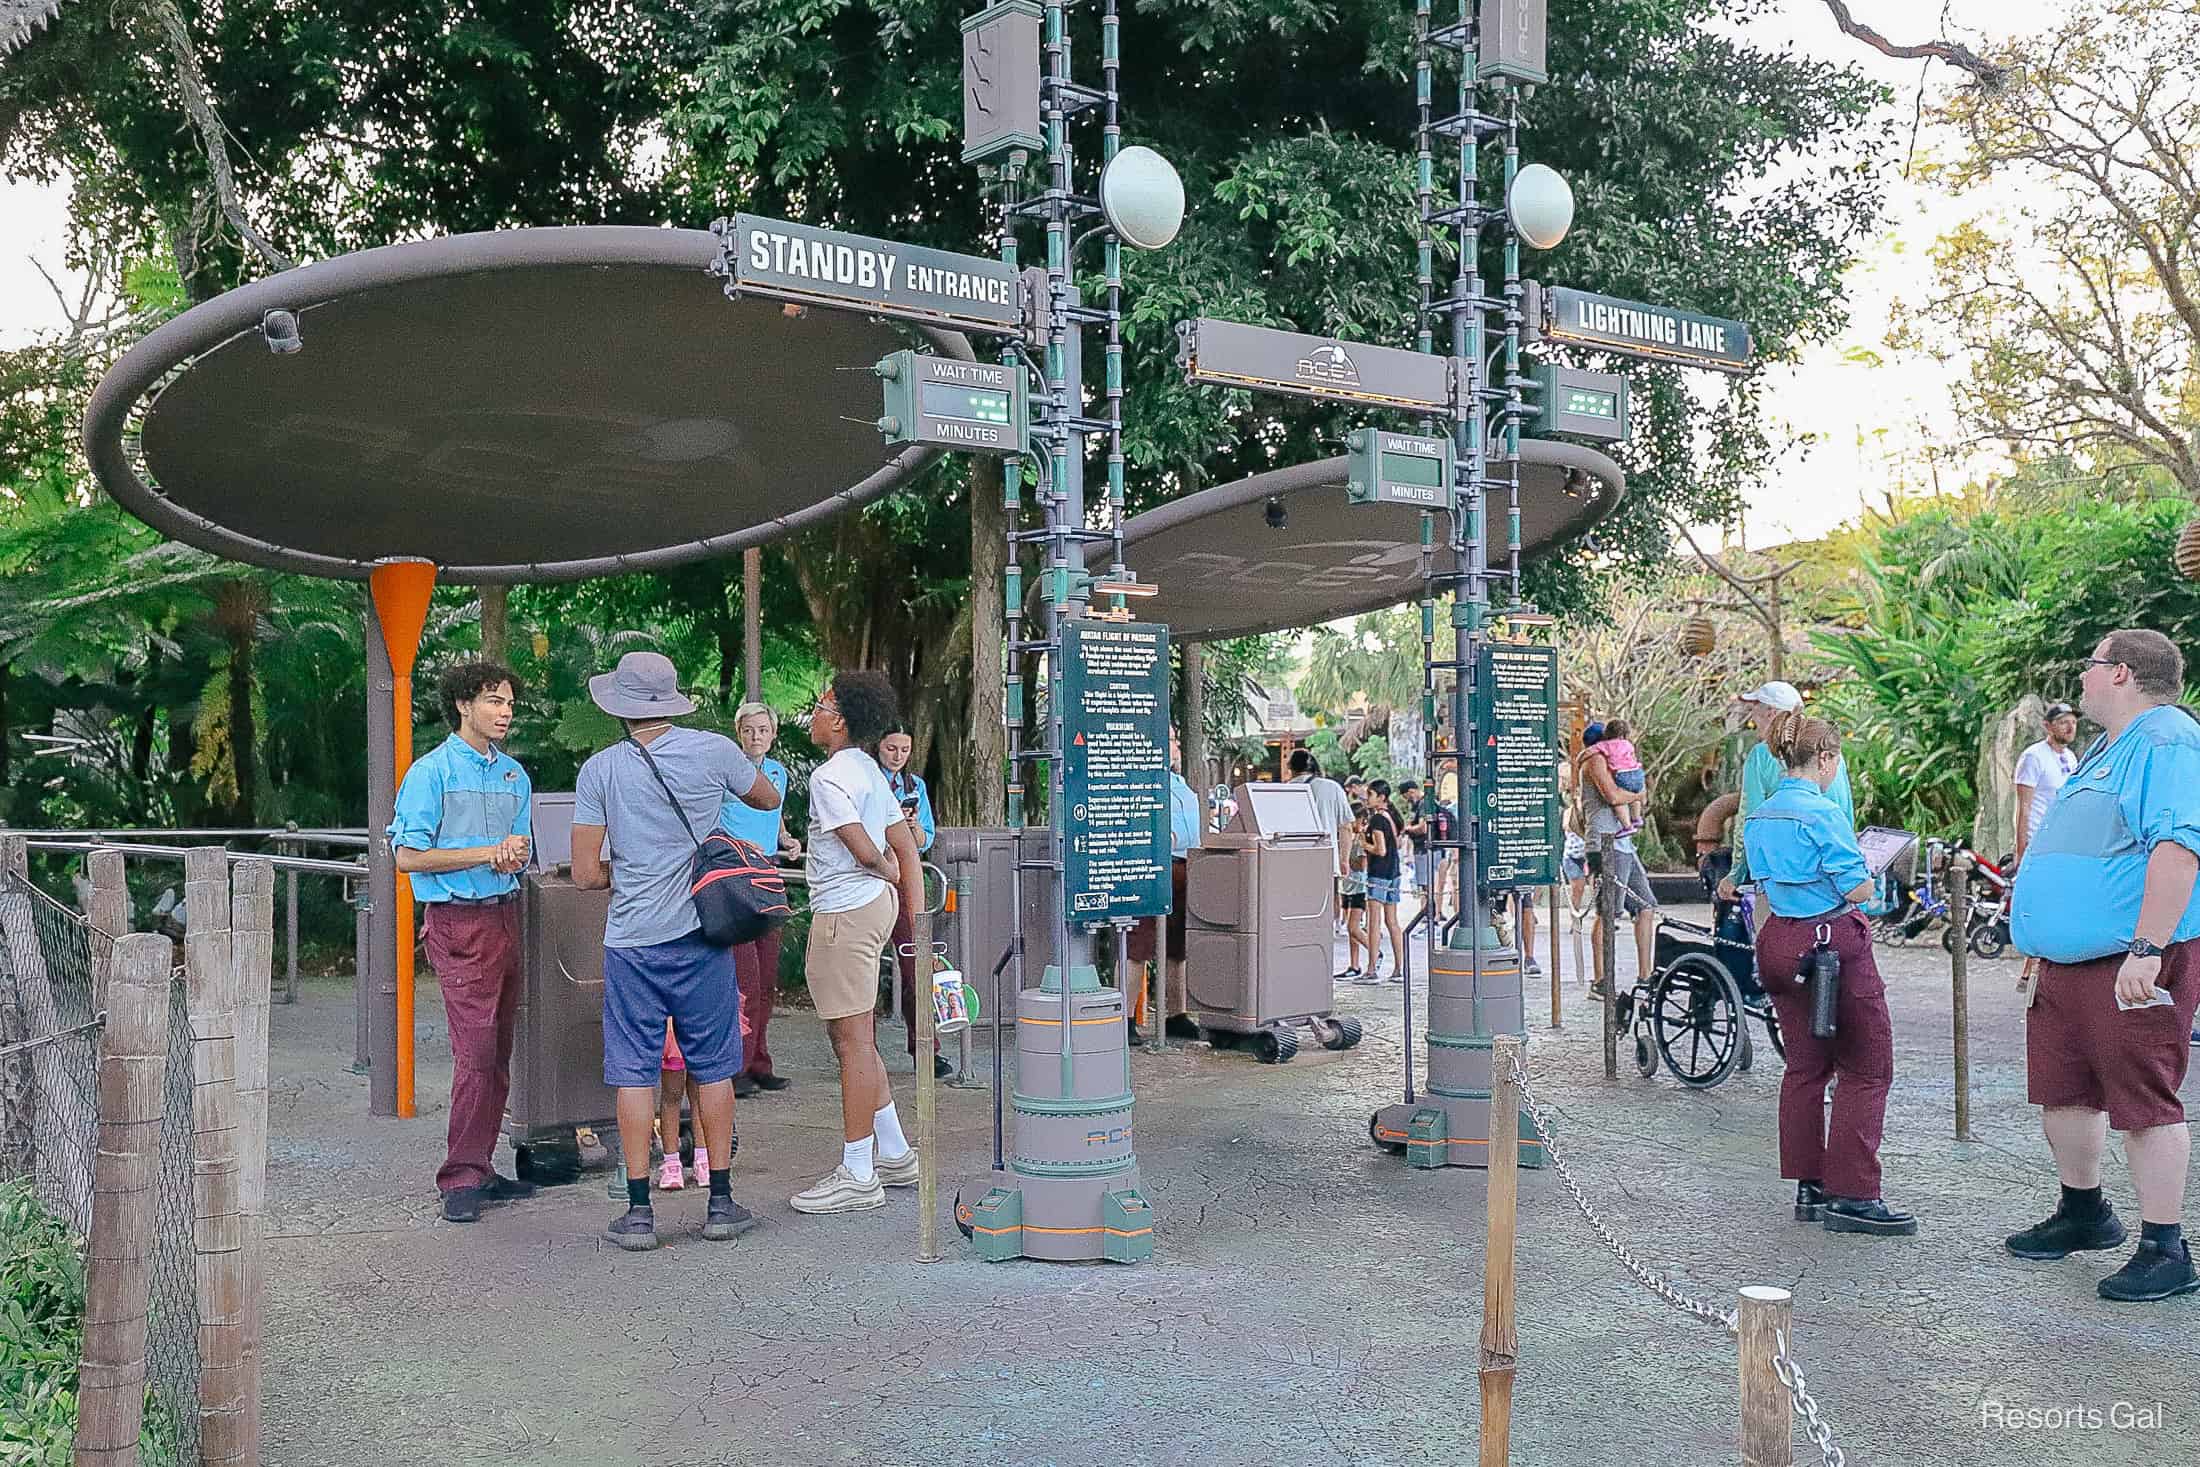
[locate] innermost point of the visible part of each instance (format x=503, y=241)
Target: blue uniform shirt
x=1802, y=847
x=1761, y=777
x=759, y=828
x=1184, y=815
x=454, y=798
x=2078, y=891
x=905, y=784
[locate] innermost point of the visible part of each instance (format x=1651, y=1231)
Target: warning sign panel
x=1115, y=768
x=1515, y=721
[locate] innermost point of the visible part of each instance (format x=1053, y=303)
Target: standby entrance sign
x=854, y=272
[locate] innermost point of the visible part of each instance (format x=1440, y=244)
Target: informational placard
x=1115, y=768
x=1514, y=719
x=1293, y=364
x=800, y=262
x=1636, y=329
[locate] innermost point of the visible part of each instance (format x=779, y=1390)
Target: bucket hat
x=643, y=685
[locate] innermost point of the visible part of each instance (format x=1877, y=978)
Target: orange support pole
x=401, y=590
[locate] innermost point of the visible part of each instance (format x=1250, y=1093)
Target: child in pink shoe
x=671, y=1085
x=1618, y=749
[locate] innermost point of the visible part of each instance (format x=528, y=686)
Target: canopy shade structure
x=1224, y=572
x=526, y=405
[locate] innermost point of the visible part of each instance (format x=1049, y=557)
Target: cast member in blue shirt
x=916, y=810
x=755, y=729
x=2107, y=898
x=461, y=832
x=1762, y=773
x=1803, y=849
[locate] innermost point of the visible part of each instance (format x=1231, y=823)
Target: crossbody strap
x=643, y=750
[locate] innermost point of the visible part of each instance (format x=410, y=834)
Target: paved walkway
x=1311, y=1301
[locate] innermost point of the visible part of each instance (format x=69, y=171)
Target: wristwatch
x=2141, y=948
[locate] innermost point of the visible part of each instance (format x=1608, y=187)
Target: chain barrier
x=1783, y=1364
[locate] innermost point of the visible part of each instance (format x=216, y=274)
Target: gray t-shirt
x=1332, y=807
x=651, y=853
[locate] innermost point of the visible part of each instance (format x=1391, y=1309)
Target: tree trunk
x=729, y=655
x=243, y=738
x=495, y=621
x=5, y=766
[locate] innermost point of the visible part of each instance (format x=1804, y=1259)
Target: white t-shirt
x=847, y=789
x=2044, y=767
x=1332, y=807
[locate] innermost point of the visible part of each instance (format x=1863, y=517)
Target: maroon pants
x=474, y=950
x=1843, y=1153
x=756, y=966
x=905, y=933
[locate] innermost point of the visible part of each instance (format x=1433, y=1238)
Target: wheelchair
x=1692, y=1013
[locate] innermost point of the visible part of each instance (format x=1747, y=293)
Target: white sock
x=856, y=1157
x=886, y=1125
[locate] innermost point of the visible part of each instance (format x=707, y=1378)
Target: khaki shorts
x=842, y=963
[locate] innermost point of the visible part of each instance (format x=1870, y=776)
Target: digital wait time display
x=978, y=404
x=979, y=407
x=1398, y=468
x=1584, y=404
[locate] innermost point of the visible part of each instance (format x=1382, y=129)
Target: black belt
x=495, y=901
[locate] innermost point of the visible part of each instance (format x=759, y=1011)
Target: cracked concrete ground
x=1311, y=1300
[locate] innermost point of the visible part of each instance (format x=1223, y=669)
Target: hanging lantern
x=2186, y=558
x=1698, y=636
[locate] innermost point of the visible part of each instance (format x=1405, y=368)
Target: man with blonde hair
x=2108, y=897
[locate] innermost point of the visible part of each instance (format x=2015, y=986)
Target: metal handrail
x=350, y=870
x=350, y=836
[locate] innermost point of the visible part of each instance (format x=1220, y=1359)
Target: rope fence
x=1773, y=1388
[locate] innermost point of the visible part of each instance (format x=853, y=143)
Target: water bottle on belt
x=1821, y=975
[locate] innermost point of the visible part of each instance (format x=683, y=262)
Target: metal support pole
x=1959, y=977
x=1557, y=1021
x=1608, y=951
x=362, y=966
x=290, y=935
x=1500, y=1340
x=377, y=977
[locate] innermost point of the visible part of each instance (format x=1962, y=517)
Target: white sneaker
x=897, y=1171
x=839, y=1191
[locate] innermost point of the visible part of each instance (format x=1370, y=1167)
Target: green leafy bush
x=41, y=1330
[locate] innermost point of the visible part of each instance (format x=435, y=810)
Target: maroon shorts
x=2084, y=1052
x=1142, y=936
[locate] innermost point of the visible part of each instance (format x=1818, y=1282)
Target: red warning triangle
x=1493, y=741
x=1079, y=740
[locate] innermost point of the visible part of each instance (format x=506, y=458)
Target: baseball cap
x=2055, y=711
x=1592, y=734
x=1775, y=694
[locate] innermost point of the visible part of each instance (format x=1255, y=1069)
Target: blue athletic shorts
x=685, y=980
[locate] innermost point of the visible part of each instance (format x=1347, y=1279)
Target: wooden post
x=218, y=1226
x=495, y=620
x=252, y=951
x=109, y=917
x=1500, y=1342
x=920, y=1019
x=133, y=1069
x=1608, y=907
x=1959, y=964
x=752, y=624
x=1556, y=1021
x=1768, y=1411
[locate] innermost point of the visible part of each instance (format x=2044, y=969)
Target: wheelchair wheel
x=1772, y=1032
x=1696, y=1016
x=1646, y=1057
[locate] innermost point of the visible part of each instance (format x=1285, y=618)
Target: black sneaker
x=462, y=1205
x=941, y=1069
x=1810, y=1202
x=2063, y=1234
x=1181, y=1026
x=2153, y=1272
x=1349, y=975
x=1869, y=1216
x=726, y=1219
x=772, y=1082
x=506, y=1189
x=744, y=1087
x=635, y=1230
